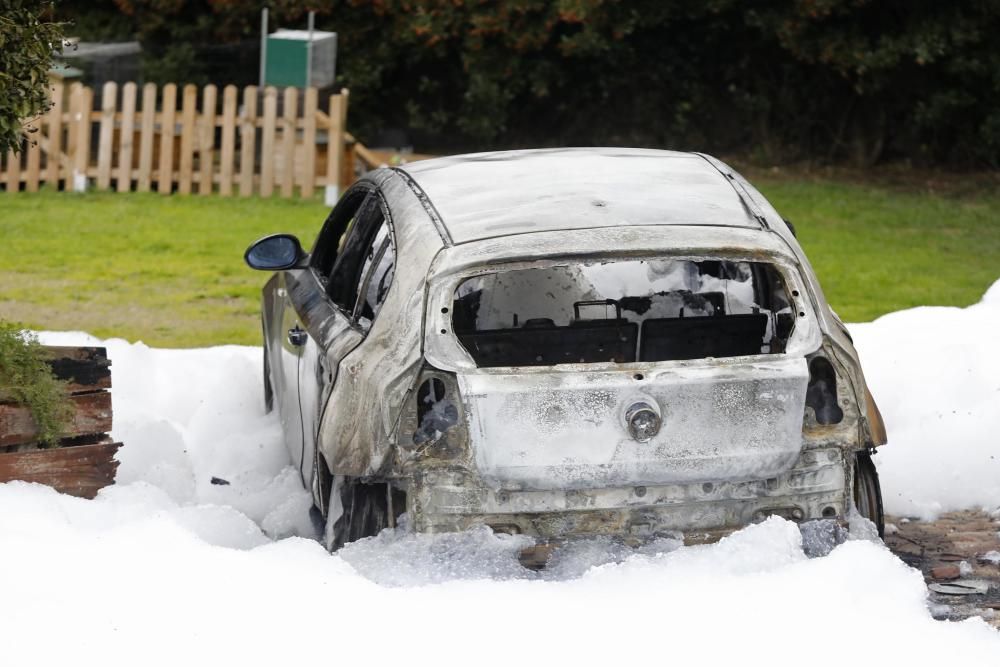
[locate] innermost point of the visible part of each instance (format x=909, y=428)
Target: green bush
x=28, y=380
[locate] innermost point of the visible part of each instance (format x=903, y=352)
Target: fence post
x=228, y=140
x=267, y=142
x=53, y=153
x=308, y=179
x=206, y=148
x=188, y=130
x=335, y=146
x=106, y=136
x=84, y=103
x=34, y=161
x=144, y=182
x=165, y=177
x=288, y=132
x=126, y=138
x=13, y=172
x=248, y=139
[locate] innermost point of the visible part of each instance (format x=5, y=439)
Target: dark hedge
x=857, y=81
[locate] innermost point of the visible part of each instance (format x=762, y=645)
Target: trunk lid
x=566, y=429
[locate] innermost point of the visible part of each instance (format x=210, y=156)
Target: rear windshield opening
x=639, y=310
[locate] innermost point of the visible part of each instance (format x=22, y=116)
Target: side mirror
x=274, y=253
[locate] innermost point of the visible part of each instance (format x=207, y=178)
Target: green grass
x=878, y=249
x=165, y=270
x=169, y=270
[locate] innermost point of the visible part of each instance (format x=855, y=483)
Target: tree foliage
x=27, y=44
x=855, y=80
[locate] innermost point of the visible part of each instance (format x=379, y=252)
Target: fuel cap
x=643, y=421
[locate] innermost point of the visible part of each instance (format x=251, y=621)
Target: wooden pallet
x=84, y=462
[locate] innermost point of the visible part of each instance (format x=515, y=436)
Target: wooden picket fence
x=262, y=142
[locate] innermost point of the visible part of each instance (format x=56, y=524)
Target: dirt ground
x=949, y=551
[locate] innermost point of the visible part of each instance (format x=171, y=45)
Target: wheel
x=363, y=510
x=868, y=492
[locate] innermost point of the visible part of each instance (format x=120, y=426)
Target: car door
x=284, y=352
x=334, y=327
x=301, y=310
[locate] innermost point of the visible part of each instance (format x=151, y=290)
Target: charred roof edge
x=748, y=203
x=428, y=205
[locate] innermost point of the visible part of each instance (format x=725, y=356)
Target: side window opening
x=624, y=311
x=345, y=279
x=331, y=240
x=377, y=274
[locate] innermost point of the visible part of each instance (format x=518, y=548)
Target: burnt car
x=563, y=343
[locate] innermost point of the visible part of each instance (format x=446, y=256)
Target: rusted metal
x=945, y=572
x=967, y=536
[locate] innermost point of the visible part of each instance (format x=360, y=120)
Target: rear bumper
x=816, y=487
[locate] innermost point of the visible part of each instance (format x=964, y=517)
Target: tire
x=868, y=491
x=365, y=510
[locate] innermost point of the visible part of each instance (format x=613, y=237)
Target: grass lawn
x=169, y=270
x=165, y=270
x=879, y=249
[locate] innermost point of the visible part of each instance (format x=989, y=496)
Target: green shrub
x=28, y=380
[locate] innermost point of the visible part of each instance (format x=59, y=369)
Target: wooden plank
x=347, y=173
x=228, y=140
x=54, y=139
x=206, y=153
x=371, y=160
x=335, y=142
x=308, y=179
x=148, y=127
x=91, y=414
x=84, y=369
x=34, y=162
x=248, y=137
x=81, y=160
x=288, y=135
x=165, y=177
x=347, y=164
x=75, y=90
x=79, y=471
x=127, y=138
x=188, y=131
x=268, y=141
x=106, y=135
x=13, y=172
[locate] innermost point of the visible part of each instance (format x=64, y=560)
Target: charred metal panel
x=815, y=488
x=516, y=192
x=873, y=431
x=549, y=431
x=358, y=426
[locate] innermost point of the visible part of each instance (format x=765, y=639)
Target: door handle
x=297, y=337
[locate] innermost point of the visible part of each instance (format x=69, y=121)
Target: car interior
x=621, y=312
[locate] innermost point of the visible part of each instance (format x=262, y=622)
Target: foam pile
x=203, y=551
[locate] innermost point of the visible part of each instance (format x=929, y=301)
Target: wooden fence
x=260, y=141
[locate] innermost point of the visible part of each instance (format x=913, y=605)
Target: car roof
x=487, y=195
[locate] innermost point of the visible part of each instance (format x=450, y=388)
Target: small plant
x=25, y=378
